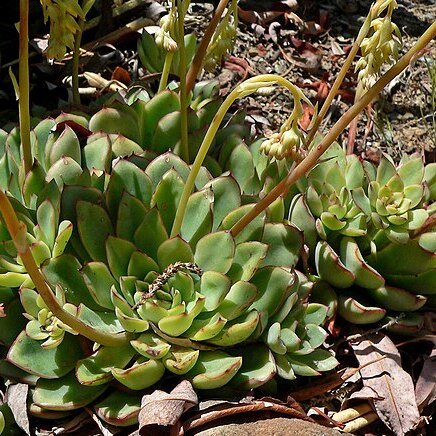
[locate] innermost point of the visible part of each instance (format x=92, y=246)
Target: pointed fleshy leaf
x=237, y=330
x=99, y=281
x=330, y=268
x=285, y=245
x=131, y=214
x=119, y=119
x=227, y=197
x=180, y=360
x=96, y=369
x=252, y=231
x=143, y=374
x=174, y=250
x=197, y=220
x=357, y=313
x=66, y=145
x=97, y=153
x=258, y=367
x=365, y=276
x=65, y=271
x=150, y=345
x=300, y=216
x=164, y=163
x=64, y=171
x=49, y=363
x=151, y=233
x=94, y=227
x=118, y=252
x=247, y=259
x=119, y=409
x=127, y=177
x=214, y=286
x=397, y=299
x=205, y=327
x=167, y=197
x=237, y=300
x=65, y=393
x=214, y=369
x=273, y=285
x=215, y=252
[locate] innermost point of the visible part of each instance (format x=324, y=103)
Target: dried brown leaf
x=398, y=408
x=161, y=408
x=425, y=389
x=16, y=397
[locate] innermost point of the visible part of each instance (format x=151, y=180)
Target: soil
x=402, y=120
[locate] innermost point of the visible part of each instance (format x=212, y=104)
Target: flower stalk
x=247, y=87
x=312, y=158
x=197, y=62
x=24, y=106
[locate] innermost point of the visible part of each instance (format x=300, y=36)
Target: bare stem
x=184, y=149
x=312, y=158
x=166, y=71
x=339, y=79
x=24, y=106
x=197, y=62
x=17, y=230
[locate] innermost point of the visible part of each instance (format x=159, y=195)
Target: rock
x=269, y=427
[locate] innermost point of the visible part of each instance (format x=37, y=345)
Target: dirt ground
x=402, y=120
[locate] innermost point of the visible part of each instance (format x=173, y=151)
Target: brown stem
x=312, y=158
x=17, y=230
x=23, y=66
x=195, y=67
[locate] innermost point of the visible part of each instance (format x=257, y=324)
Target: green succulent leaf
x=96, y=369
x=174, y=250
x=274, y=285
x=167, y=196
x=151, y=234
x=65, y=393
x=48, y=363
x=258, y=367
x=214, y=369
x=141, y=375
x=330, y=267
x=285, y=244
x=119, y=408
x=94, y=227
x=214, y=286
x=215, y=252
x=247, y=259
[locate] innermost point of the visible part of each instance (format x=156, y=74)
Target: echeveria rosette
x=362, y=224
x=224, y=310
x=395, y=199
x=326, y=209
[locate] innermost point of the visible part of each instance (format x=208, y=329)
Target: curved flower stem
x=312, y=158
x=184, y=150
x=166, y=71
x=23, y=99
x=17, y=230
x=197, y=62
x=247, y=87
x=339, y=79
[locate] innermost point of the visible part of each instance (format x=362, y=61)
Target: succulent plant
x=204, y=305
x=369, y=233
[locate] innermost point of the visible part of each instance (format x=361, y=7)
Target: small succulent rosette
x=370, y=234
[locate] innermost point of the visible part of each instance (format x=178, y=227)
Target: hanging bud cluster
x=164, y=36
x=287, y=144
x=224, y=38
x=63, y=15
x=380, y=46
